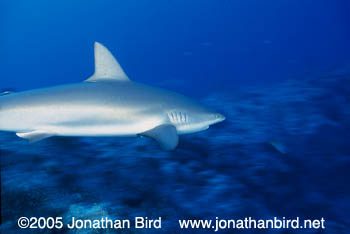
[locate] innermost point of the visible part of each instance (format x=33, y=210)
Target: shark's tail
x=4, y=92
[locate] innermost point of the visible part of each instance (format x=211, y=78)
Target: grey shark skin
x=106, y=104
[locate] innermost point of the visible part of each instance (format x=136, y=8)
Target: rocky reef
x=283, y=151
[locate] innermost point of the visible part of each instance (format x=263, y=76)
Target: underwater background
x=278, y=70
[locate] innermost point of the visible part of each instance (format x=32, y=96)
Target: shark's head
x=194, y=118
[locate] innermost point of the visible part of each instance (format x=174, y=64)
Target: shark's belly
x=78, y=120
x=101, y=128
x=125, y=129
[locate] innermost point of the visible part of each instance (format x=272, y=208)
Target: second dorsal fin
x=106, y=66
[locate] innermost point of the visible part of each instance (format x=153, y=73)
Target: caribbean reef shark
x=106, y=104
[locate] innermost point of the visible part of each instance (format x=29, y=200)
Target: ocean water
x=278, y=70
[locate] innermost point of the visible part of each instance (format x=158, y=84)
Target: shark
x=107, y=104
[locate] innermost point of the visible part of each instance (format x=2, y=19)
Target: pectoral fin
x=35, y=135
x=165, y=135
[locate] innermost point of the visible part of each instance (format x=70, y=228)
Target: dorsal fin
x=106, y=66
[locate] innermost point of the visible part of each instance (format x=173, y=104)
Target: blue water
x=278, y=70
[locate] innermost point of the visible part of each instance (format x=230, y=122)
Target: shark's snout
x=216, y=118
x=220, y=117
